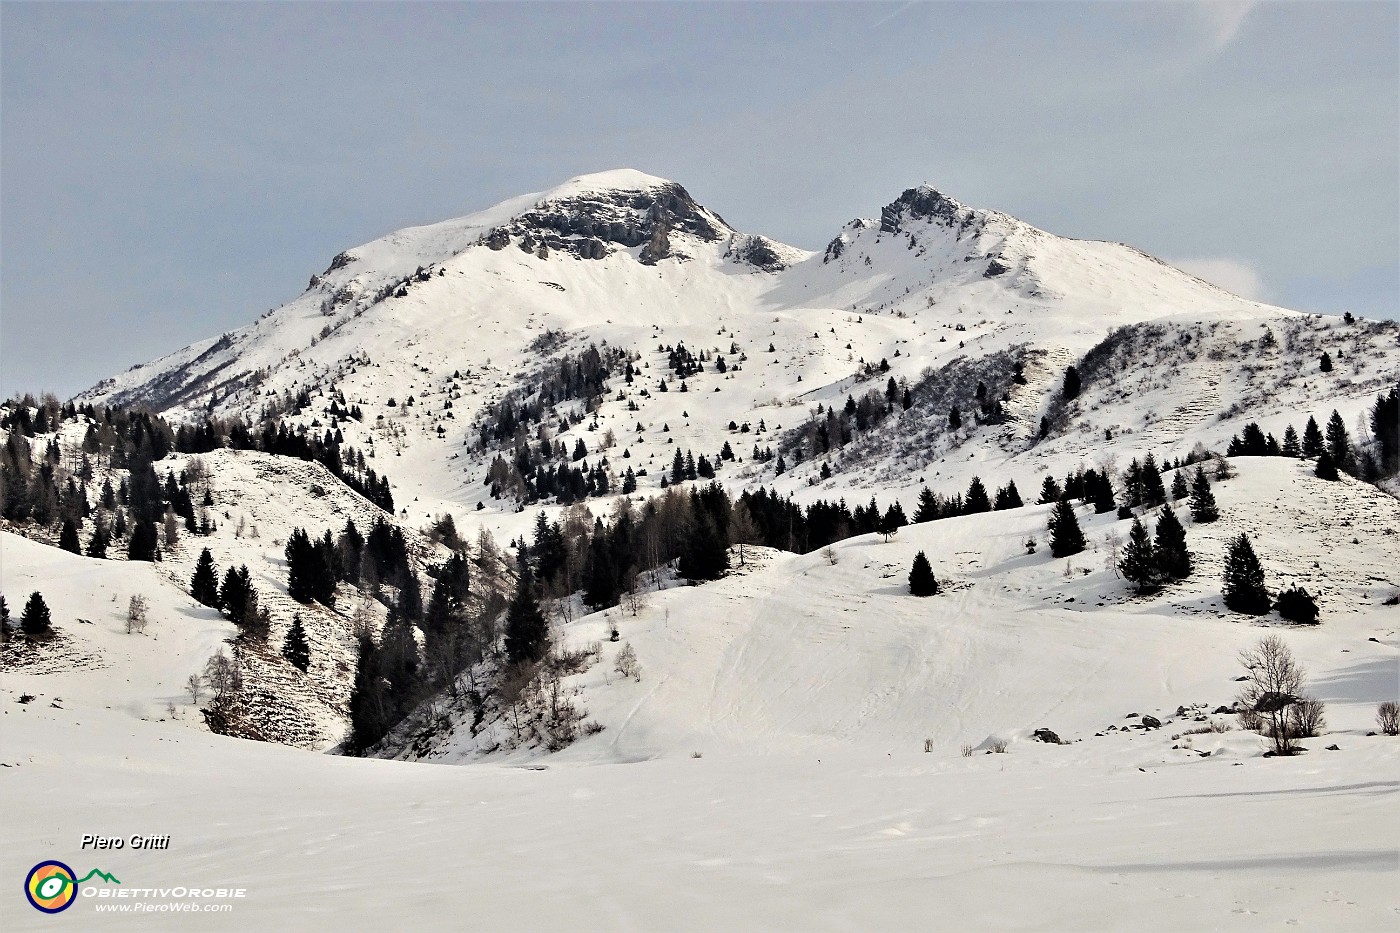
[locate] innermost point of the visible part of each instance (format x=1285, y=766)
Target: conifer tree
x=1104, y=500
x=1291, y=446
x=1203, y=507
x=5, y=626
x=1179, y=488
x=1312, y=439
x=1072, y=383
x=68, y=537
x=35, y=621
x=1139, y=562
x=1385, y=425
x=1244, y=579
x=1049, y=491
x=1066, y=538
x=369, y=718
x=704, y=556
x=1326, y=467
x=1338, y=442
x=1325, y=362
x=300, y=554
x=921, y=579
x=1153, y=492
x=893, y=520
x=603, y=586
x=100, y=540
x=927, y=510
x=1008, y=497
x=295, y=648
x=204, y=585
x=527, y=633
x=143, y=543
x=1174, y=559
x=234, y=593
x=976, y=499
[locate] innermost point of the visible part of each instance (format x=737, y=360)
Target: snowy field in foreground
x=1042, y=838
x=809, y=688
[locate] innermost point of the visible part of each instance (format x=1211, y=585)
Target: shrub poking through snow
x=1296, y=605
x=1388, y=717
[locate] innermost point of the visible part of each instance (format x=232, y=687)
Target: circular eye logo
x=51, y=887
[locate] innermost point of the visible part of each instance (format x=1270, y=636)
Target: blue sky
x=171, y=171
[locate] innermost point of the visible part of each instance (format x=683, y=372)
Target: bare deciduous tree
x=1272, y=698
x=626, y=663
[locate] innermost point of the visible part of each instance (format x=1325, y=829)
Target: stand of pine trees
x=1149, y=562
x=135, y=441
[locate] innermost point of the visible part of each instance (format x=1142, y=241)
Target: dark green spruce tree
x=921, y=579
x=1138, y=563
x=204, y=585
x=68, y=537
x=1203, y=507
x=35, y=621
x=143, y=544
x=1066, y=538
x=100, y=540
x=1174, y=559
x=1326, y=467
x=527, y=633
x=295, y=648
x=1244, y=579
x=976, y=499
x=1312, y=439
x=1008, y=497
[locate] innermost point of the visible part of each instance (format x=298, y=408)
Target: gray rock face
x=1151, y=722
x=1273, y=702
x=921, y=202
x=585, y=225
x=1046, y=736
x=758, y=252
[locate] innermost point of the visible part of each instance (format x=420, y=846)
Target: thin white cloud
x=1222, y=20
x=886, y=18
x=1230, y=274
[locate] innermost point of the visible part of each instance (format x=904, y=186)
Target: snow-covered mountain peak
x=592, y=216
x=923, y=202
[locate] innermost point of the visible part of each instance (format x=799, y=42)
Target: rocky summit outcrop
x=924, y=202
x=590, y=225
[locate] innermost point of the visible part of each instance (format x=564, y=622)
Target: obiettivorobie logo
x=52, y=886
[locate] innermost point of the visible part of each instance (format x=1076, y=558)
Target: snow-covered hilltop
x=616, y=253
x=477, y=473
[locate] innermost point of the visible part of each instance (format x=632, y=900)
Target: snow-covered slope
x=777, y=776
x=822, y=651
x=455, y=315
